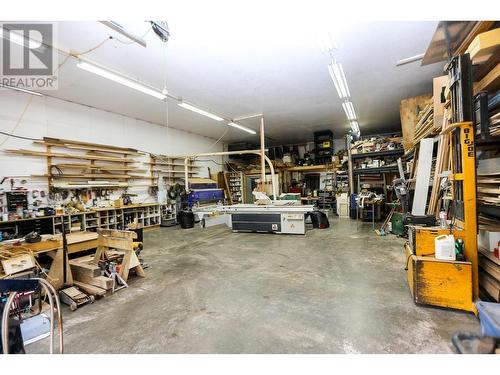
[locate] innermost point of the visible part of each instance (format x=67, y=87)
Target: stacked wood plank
x=97, y=165
x=87, y=276
x=409, y=110
x=495, y=125
x=425, y=125
x=488, y=181
x=170, y=168
x=489, y=274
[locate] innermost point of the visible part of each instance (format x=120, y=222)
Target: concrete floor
x=339, y=290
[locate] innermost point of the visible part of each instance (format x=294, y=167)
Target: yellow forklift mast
x=451, y=283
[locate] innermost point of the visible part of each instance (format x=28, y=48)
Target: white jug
x=444, y=247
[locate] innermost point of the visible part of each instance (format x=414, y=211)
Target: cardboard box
x=118, y=203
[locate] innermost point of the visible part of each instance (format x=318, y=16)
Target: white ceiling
x=241, y=65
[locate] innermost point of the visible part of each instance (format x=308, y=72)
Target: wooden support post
x=262, y=158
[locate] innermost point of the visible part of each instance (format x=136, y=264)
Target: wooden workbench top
x=76, y=242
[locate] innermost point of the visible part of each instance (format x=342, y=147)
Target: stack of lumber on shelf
x=495, y=125
x=488, y=181
x=170, y=168
x=484, y=46
x=97, y=165
x=488, y=223
x=488, y=189
x=489, y=274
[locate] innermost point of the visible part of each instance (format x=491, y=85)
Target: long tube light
x=349, y=111
x=355, y=126
x=150, y=91
x=241, y=127
x=200, y=111
x=118, y=78
x=22, y=90
x=339, y=80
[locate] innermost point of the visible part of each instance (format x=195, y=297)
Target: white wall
x=49, y=117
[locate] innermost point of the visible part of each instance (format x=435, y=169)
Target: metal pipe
x=49, y=290
x=49, y=286
x=5, y=322
x=411, y=59
x=246, y=117
x=51, y=303
x=220, y=153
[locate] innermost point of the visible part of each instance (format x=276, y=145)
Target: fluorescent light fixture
x=18, y=39
x=241, y=127
x=120, y=79
x=200, y=111
x=22, y=90
x=338, y=78
x=355, y=126
x=349, y=111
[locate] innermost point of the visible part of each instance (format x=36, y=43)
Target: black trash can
x=319, y=220
x=186, y=219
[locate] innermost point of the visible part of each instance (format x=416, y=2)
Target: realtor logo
x=28, y=58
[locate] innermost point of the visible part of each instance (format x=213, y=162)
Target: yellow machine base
x=440, y=282
x=422, y=238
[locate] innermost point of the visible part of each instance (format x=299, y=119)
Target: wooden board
x=72, y=142
x=491, y=81
x=408, y=114
x=491, y=285
x=484, y=46
x=56, y=272
x=87, y=148
x=422, y=176
x=18, y=263
x=90, y=289
x=488, y=190
x=98, y=167
x=442, y=164
x=79, y=268
x=60, y=155
x=438, y=83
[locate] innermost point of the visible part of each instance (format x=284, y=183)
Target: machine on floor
x=286, y=217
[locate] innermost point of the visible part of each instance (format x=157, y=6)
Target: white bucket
x=444, y=247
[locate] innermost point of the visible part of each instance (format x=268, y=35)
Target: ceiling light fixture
x=200, y=111
x=241, y=127
x=118, y=78
x=354, y=126
x=339, y=80
x=349, y=111
x=22, y=90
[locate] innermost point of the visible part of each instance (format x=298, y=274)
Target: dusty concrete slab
x=340, y=290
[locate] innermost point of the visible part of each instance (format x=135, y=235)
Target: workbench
x=52, y=245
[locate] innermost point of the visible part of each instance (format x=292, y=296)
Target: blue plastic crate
x=489, y=316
